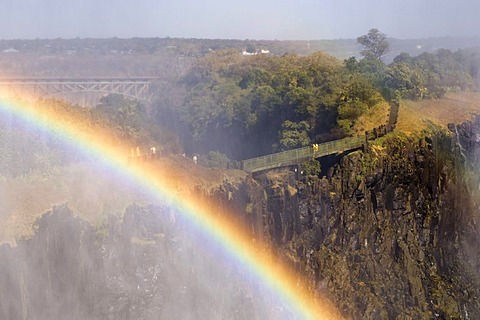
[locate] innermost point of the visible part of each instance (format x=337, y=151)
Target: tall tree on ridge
x=375, y=43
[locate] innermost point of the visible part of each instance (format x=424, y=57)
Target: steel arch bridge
x=131, y=87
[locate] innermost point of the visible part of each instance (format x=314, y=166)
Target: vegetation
x=432, y=75
x=311, y=168
x=245, y=106
x=214, y=159
x=220, y=104
x=428, y=75
x=375, y=43
x=27, y=148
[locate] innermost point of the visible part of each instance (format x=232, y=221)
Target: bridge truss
x=135, y=88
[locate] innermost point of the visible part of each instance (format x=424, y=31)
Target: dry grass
x=374, y=117
x=454, y=108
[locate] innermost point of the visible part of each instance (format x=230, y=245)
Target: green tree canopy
x=245, y=106
x=294, y=135
x=375, y=43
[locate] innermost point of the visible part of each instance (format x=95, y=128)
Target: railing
x=392, y=120
x=16, y=79
x=132, y=87
x=297, y=156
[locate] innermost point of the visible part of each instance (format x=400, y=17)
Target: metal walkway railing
x=297, y=156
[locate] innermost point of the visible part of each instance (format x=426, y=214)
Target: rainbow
x=100, y=145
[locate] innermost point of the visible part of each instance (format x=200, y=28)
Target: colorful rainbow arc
x=231, y=237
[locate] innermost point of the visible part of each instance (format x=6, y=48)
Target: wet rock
x=391, y=233
x=396, y=253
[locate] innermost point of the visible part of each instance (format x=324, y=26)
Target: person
x=195, y=159
x=153, y=152
x=138, y=151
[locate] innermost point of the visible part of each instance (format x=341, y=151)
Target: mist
x=82, y=241
x=121, y=201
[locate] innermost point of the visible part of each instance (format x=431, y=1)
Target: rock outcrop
x=144, y=266
x=392, y=232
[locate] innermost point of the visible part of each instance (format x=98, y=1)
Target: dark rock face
x=36, y=277
x=393, y=234
x=146, y=266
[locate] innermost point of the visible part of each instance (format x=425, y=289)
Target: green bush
x=214, y=159
x=311, y=168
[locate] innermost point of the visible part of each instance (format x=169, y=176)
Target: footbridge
x=300, y=155
x=315, y=151
x=131, y=87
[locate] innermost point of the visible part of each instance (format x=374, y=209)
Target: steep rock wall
x=385, y=234
x=391, y=233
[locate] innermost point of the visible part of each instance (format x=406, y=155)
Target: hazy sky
x=237, y=19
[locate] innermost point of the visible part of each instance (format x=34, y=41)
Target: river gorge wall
x=391, y=232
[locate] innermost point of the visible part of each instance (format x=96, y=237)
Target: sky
x=237, y=19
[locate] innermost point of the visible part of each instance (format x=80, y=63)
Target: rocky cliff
x=391, y=232
x=144, y=266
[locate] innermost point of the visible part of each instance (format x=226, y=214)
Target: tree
x=375, y=43
x=294, y=135
x=409, y=81
x=126, y=115
x=358, y=88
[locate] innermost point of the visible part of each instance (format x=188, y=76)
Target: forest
x=228, y=106
x=246, y=106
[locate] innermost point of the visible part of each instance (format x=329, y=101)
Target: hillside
x=453, y=108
